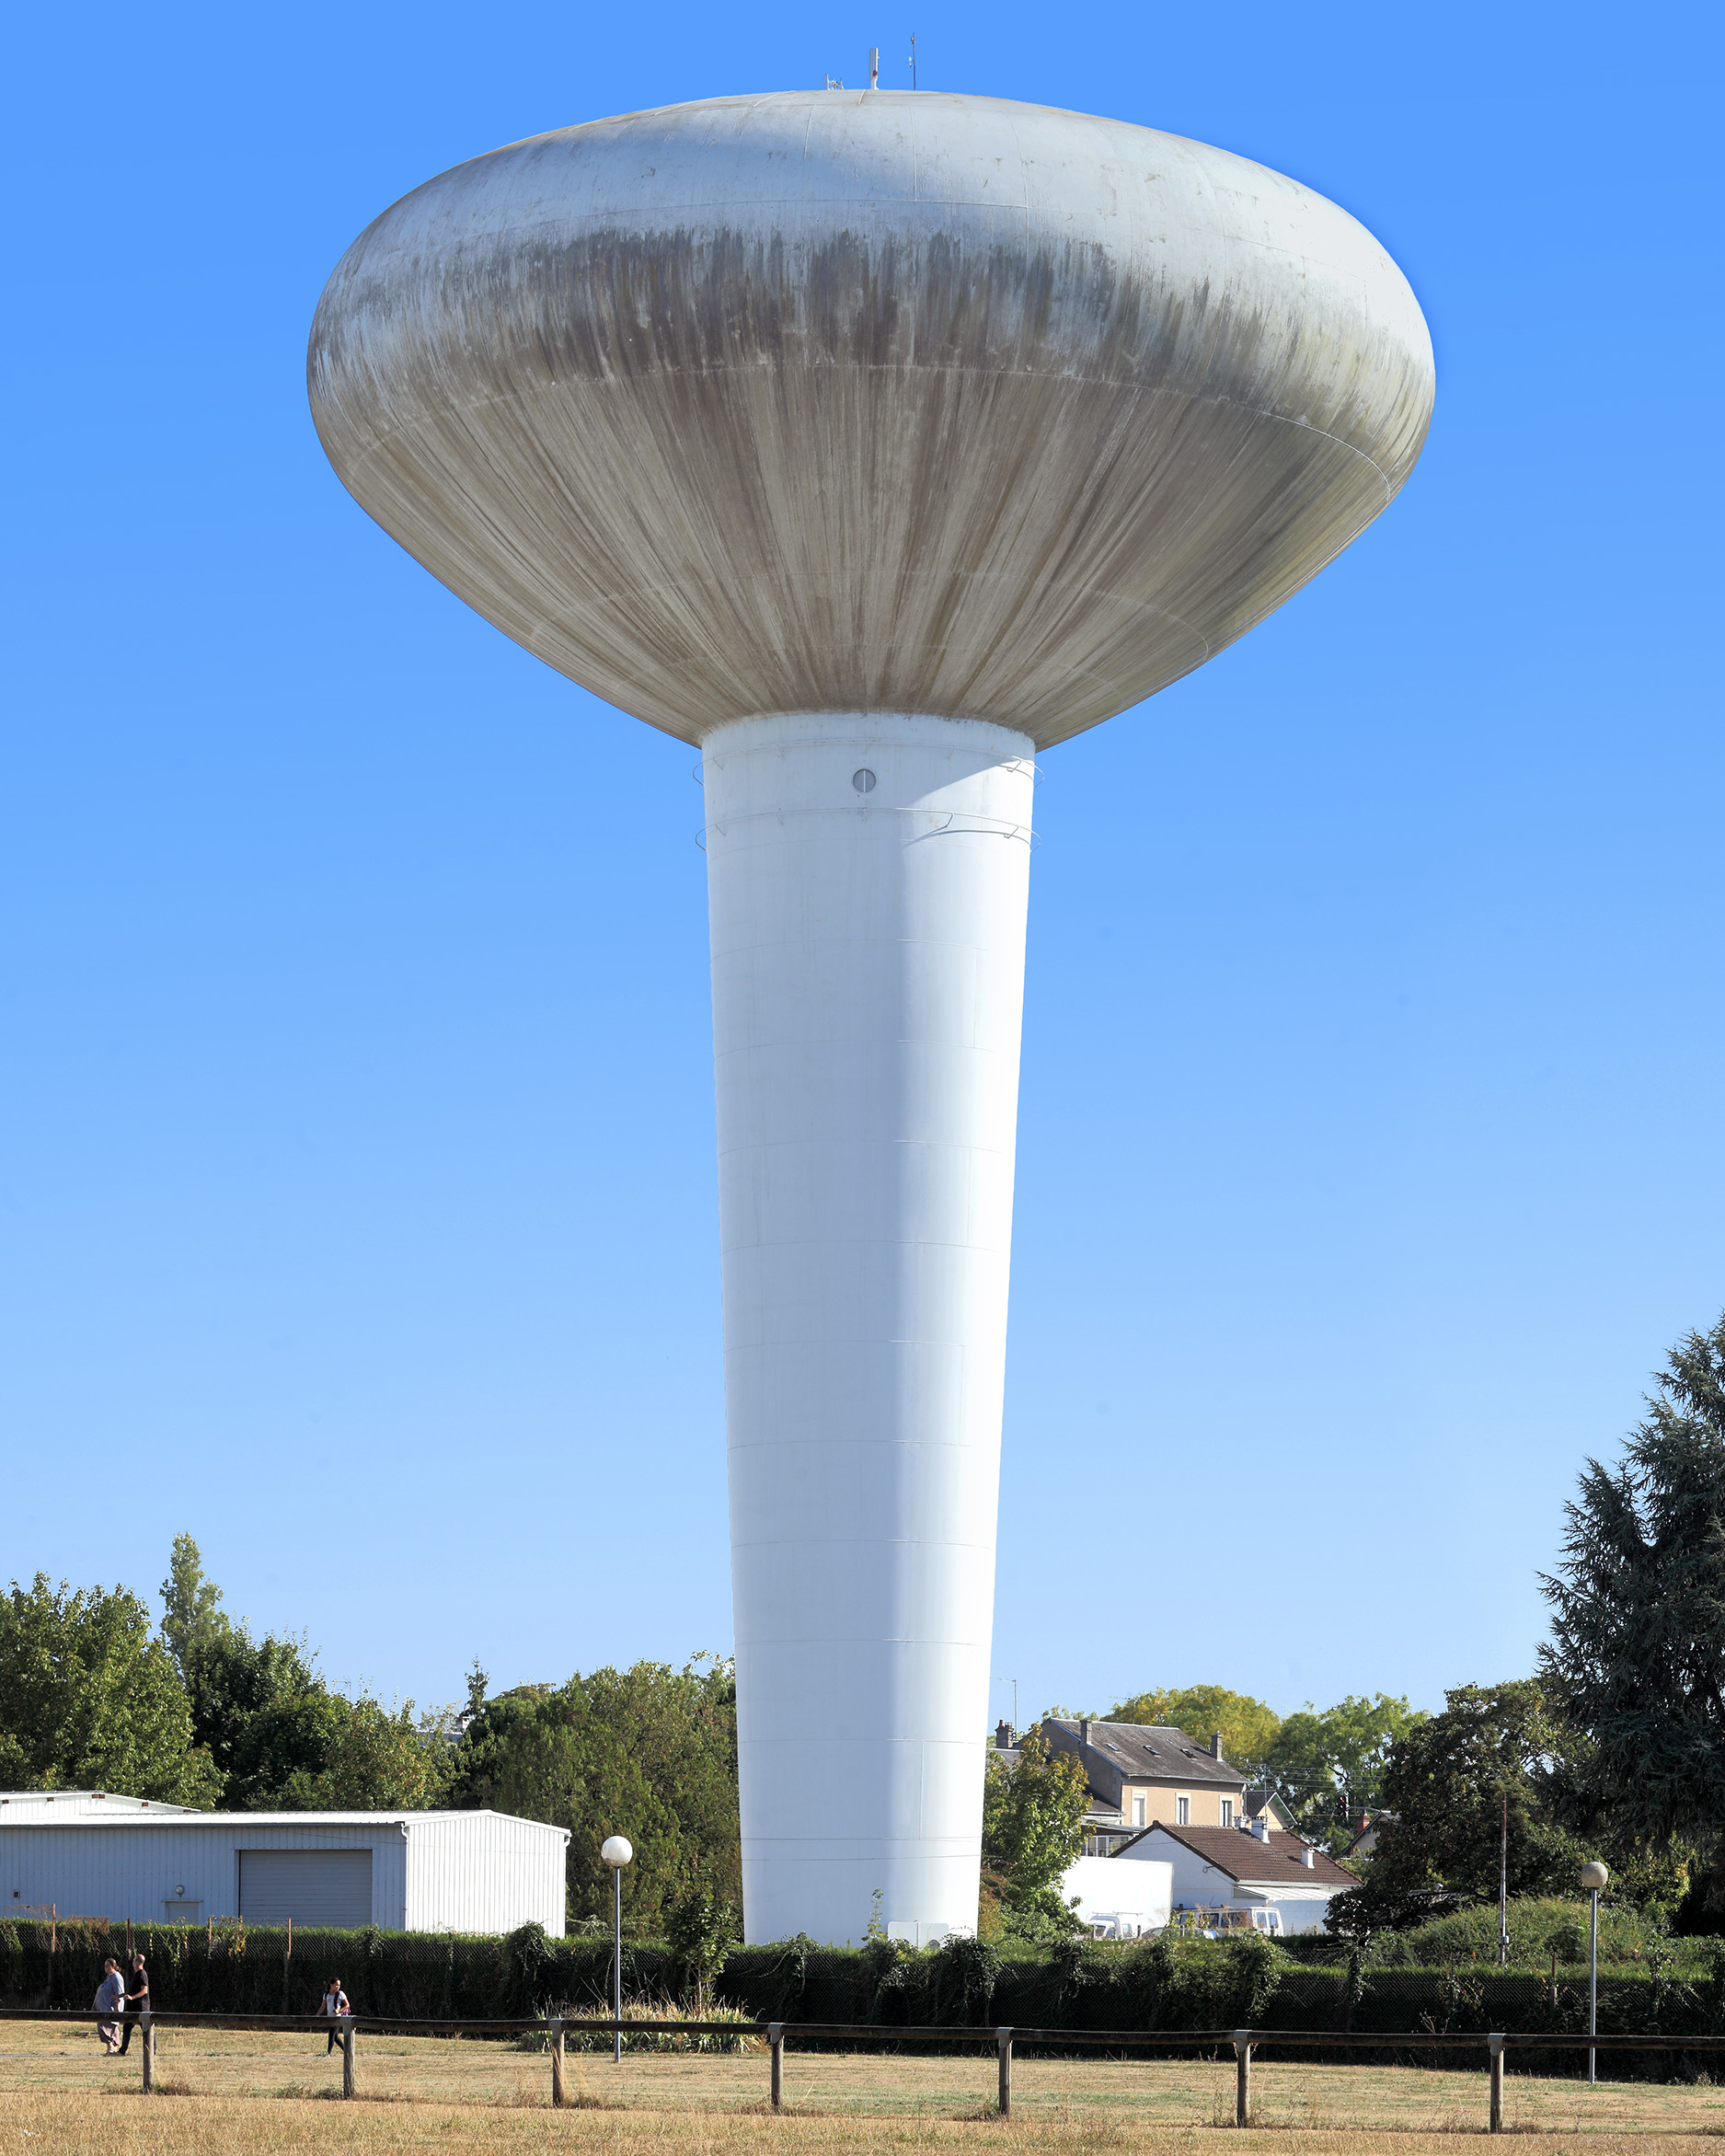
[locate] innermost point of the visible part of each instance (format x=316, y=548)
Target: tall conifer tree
x=1637, y=1656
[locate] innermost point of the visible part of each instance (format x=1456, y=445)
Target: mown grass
x=233, y=2091
x=87, y=2125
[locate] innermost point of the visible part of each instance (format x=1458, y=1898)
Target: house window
x=1182, y=1811
x=1227, y=1811
x=1137, y=1811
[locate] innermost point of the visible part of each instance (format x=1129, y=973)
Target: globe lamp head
x=618, y=1850
x=1594, y=1876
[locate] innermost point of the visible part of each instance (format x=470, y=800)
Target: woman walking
x=109, y=1995
x=334, y=2002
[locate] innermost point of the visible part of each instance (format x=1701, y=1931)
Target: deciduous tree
x=91, y=1699
x=1246, y=1726
x=648, y=1751
x=375, y=1758
x=281, y=1738
x=1447, y=1780
x=701, y=1928
x=1329, y=1765
x=1034, y=1813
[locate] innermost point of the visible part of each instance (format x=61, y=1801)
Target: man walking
x=137, y=1998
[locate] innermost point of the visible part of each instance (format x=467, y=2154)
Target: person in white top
x=334, y=2002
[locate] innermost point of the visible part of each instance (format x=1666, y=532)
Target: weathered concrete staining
x=877, y=400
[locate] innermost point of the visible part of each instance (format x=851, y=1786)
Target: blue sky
x=356, y=1184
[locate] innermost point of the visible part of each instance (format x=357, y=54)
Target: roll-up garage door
x=311, y=1885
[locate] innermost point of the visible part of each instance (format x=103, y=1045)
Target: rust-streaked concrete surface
x=851, y=400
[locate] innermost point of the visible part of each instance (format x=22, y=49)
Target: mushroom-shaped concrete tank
x=872, y=441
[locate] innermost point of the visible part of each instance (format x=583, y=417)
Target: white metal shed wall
x=484, y=1872
x=104, y=1868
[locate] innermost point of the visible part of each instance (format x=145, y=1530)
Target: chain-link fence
x=1157, y=1985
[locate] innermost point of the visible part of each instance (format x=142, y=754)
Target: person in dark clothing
x=137, y=1997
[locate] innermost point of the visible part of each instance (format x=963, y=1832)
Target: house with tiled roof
x=1372, y=1830
x=1278, y=1882
x=1264, y=1803
x=1138, y=1774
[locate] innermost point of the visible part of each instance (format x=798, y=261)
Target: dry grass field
x=235, y=2093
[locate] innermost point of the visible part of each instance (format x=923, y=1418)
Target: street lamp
x=1594, y=1876
x=617, y=1850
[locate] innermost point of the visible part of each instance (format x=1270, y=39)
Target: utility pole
x=1503, y=1887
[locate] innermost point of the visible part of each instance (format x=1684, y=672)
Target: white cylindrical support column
x=868, y=877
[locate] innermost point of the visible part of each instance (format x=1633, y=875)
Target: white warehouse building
x=85, y=1853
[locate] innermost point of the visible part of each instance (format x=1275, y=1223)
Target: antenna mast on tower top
x=874, y=67
x=913, y=60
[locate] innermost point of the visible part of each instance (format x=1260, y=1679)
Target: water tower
x=871, y=442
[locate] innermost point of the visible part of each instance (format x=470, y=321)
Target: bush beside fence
x=1159, y=1984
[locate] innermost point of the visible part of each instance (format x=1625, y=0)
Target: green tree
x=192, y=1617
x=267, y=1716
x=701, y=1928
x=279, y=1737
x=1327, y=1765
x=258, y=1706
x=1246, y=1726
x=1033, y=1814
x=1637, y=1656
x=376, y=1759
x=91, y=1699
x=648, y=1751
x=1446, y=1781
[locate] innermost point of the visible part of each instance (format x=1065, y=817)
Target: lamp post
x=617, y=1850
x=1594, y=1876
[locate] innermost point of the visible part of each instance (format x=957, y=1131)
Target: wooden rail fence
x=1245, y=2043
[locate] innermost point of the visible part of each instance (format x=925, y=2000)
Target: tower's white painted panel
x=868, y=877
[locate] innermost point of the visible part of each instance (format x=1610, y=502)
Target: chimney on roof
x=1003, y=1736
x=1307, y=1858
x=1084, y=1732
x=1215, y=1746
x=1260, y=1827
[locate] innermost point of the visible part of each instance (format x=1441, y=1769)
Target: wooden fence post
x=147, y=2033
x=347, y=2057
x=776, y=2037
x=1242, y=2077
x=1496, y=2041
x=1002, y=2037
x=557, y=2063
